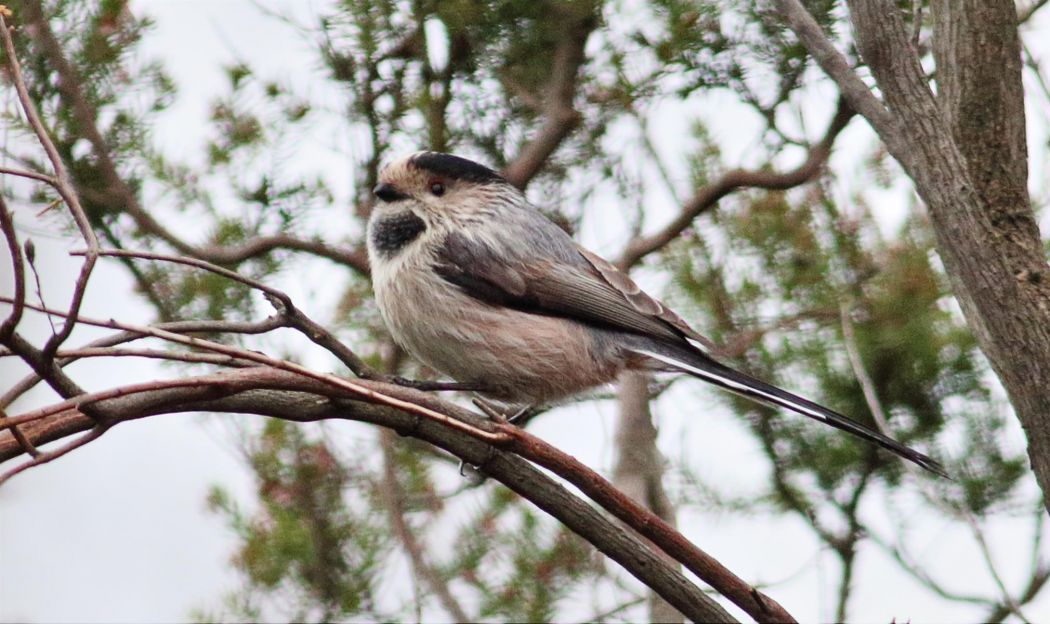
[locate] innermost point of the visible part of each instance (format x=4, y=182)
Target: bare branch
x=233, y=255
x=652, y=527
x=837, y=67
x=25, y=384
x=709, y=195
x=79, y=401
x=30, y=250
x=255, y=356
x=65, y=189
x=252, y=391
x=280, y=300
x=157, y=354
x=200, y=264
x=32, y=175
x=27, y=446
x=45, y=367
x=43, y=458
x=325, y=339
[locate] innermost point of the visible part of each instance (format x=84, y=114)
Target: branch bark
x=286, y=395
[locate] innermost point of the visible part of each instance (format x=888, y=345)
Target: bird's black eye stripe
x=437, y=187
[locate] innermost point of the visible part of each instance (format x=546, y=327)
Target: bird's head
x=436, y=186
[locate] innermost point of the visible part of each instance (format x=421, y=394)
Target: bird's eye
x=437, y=187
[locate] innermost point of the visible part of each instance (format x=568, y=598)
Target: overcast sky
x=118, y=532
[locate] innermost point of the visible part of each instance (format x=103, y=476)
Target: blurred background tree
x=741, y=221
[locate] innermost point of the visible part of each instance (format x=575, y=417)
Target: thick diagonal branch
x=287, y=395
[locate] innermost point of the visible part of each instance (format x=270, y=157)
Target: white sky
x=117, y=531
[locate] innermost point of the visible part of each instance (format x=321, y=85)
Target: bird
x=476, y=283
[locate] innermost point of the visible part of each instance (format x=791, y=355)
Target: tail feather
x=698, y=364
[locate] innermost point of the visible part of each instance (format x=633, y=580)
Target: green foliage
x=306, y=541
x=805, y=262
x=522, y=565
x=316, y=547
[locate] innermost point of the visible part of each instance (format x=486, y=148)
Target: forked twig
x=65, y=189
x=280, y=300
x=43, y=458
x=498, y=436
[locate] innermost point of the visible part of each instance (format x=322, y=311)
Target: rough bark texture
x=966, y=153
x=640, y=467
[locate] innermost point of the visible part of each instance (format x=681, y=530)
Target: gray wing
x=578, y=285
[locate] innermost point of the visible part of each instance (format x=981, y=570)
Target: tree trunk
x=640, y=467
x=965, y=150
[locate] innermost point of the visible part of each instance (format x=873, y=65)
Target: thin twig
x=32, y=175
x=327, y=340
x=498, y=436
x=7, y=328
x=193, y=262
x=206, y=327
x=43, y=458
x=280, y=300
x=65, y=189
x=31, y=259
x=27, y=445
x=157, y=354
x=77, y=402
x=7, y=224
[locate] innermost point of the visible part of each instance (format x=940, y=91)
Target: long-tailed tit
x=476, y=283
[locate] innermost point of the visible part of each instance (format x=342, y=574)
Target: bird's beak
x=388, y=193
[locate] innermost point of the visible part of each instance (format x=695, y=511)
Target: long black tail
x=691, y=360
